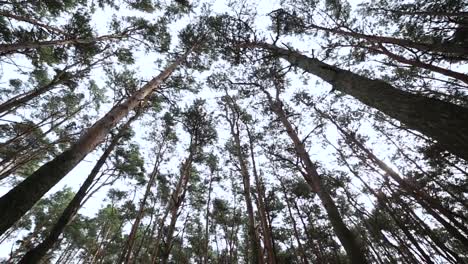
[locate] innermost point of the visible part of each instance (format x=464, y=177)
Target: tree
x=15, y=205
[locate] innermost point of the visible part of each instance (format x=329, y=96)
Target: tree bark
x=37, y=253
x=207, y=221
x=177, y=198
x=15, y=203
x=254, y=244
x=445, y=122
x=348, y=240
x=268, y=241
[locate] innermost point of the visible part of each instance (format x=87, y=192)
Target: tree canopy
x=310, y=131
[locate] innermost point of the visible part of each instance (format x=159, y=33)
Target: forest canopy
x=305, y=131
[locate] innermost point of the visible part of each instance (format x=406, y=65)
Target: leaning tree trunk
x=37, y=253
x=427, y=202
x=294, y=224
x=20, y=199
x=348, y=240
x=445, y=48
x=445, y=122
x=267, y=237
x=177, y=198
x=127, y=252
x=253, y=243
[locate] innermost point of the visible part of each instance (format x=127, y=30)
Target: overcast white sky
x=147, y=69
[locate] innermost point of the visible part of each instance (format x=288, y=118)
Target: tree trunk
x=445, y=122
x=177, y=198
x=15, y=203
x=207, y=221
x=268, y=241
x=253, y=243
x=296, y=232
x=348, y=240
x=427, y=202
x=37, y=253
x=127, y=252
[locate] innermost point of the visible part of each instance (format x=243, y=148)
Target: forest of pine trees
x=234, y=131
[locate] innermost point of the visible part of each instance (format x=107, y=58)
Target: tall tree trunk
x=128, y=249
x=348, y=240
x=207, y=221
x=15, y=47
x=296, y=231
x=427, y=202
x=15, y=203
x=445, y=122
x=37, y=253
x=254, y=243
x=177, y=198
x=268, y=241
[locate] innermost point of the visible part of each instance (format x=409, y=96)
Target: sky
x=147, y=69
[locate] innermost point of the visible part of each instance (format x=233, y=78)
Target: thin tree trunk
x=207, y=221
x=348, y=240
x=314, y=247
x=427, y=202
x=417, y=63
x=445, y=48
x=127, y=251
x=38, y=252
x=445, y=122
x=296, y=232
x=15, y=204
x=254, y=244
x=268, y=241
x=177, y=198
x=33, y=22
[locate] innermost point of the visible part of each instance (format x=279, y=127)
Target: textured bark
x=445, y=122
x=37, y=253
x=16, y=203
x=348, y=240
